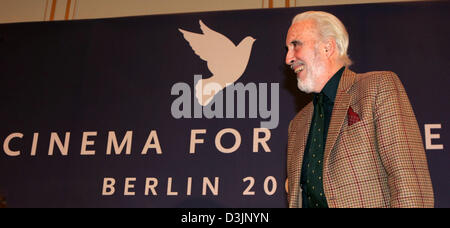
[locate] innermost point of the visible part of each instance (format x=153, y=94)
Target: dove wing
x=209, y=44
x=195, y=40
x=220, y=38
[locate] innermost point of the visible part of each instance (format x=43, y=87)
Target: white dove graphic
x=226, y=61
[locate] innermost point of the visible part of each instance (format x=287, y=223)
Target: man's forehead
x=301, y=29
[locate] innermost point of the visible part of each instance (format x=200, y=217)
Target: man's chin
x=304, y=87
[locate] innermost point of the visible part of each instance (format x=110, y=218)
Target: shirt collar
x=330, y=88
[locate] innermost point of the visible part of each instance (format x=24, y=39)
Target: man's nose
x=290, y=59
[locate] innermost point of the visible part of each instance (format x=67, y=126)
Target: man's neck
x=328, y=74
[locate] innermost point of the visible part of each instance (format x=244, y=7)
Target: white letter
x=112, y=140
x=153, y=135
x=214, y=189
x=169, y=188
x=85, y=142
x=286, y=185
x=241, y=90
x=226, y=217
x=54, y=138
x=429, y=136
x=182, y=101
x=262, y=141
x=237, y=142
x=194, y=139
x=189, y=186
x=266, y=185
x=247, y=191
x=274, y=112
x=34, y=145
x=152, y=186
x=6, y=148
x=129, y=186
x=217, y=101
x=198, y=109
x=108, y=186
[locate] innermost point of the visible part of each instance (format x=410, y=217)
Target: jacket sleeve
x=291, y=140
x=287, y=164
x=400, y=145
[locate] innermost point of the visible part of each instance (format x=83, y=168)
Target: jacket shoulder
x=376, y=80
x=376, y=75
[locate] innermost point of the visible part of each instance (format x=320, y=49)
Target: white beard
x=306, y=86
x=309, y=85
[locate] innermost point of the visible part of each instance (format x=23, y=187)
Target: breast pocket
x=358, y=126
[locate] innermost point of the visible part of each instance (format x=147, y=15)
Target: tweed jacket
x=378, y=161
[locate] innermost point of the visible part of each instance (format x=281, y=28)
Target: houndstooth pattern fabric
x=378, y=161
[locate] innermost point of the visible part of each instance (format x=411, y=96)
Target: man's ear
x=329, y=47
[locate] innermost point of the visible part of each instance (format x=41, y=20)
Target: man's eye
x=296, y=43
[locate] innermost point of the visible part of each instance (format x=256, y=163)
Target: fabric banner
x=114, y=112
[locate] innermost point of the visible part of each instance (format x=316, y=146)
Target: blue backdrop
x=69, y=89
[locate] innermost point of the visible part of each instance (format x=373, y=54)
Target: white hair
x=329, y=26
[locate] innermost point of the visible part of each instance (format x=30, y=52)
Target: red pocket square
x=353, y=117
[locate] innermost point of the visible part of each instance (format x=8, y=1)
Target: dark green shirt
x=329, y=91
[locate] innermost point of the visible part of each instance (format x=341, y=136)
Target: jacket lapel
x=302, y=129
x=341, y=104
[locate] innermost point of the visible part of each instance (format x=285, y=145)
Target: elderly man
x=357, y=144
